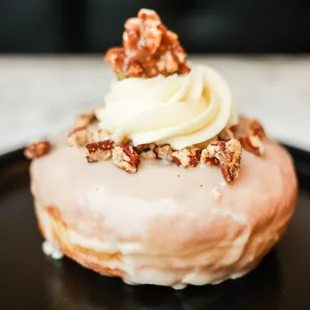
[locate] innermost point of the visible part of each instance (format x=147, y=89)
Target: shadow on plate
x=68, y=286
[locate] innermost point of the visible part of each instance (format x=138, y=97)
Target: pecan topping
x=99, y=151
x=126, y=158
x=146, y=151
x=148, y=154
x=84, y=120
x=145, y=147
x=226, y=155
x=149, y=49
x=78, y=137
x=226, y=134
x=187, y=157
x=251, y=134
x=164, y=152
x=37, y=149
x=97, y=135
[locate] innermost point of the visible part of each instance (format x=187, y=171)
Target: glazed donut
x=163, y=225
x=176, y=188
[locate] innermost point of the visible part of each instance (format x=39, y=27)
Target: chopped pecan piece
x=208, y=154
x=116, y=57
x=226, y=155
x=37, y=149
x=99, y=151
x=253, y=144
x=97, y=135
x=78, y=137
x=164, y=152
x=146, y=151
x=84, y=120
x=125, y=157
x=226, y=134
x=187, y=157
x=149, y=49
x=251, y=134
x=145, y=147
x=148, y=154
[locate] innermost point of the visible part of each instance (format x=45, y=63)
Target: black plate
x=30, y=280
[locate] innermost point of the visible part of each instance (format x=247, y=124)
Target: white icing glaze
x=180, y=286
x=169, y=230
x=51, y=250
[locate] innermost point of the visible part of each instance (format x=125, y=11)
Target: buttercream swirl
x=178, y=110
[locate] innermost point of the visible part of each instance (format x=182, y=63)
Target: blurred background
x=205, y=26
x=51, y=65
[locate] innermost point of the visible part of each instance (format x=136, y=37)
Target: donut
x=164, y=225
x=166, y=183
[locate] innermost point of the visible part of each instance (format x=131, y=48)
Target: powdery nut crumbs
x=187, y=157
x=125, y=157
x=99, y=151
x=251, y=134
x=37, y=149
x=149, y=49
x=226, y=155
x=77, y=137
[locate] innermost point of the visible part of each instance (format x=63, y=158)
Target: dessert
x=166, y=184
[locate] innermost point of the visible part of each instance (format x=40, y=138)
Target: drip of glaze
x=51, y=250
x=179, y=286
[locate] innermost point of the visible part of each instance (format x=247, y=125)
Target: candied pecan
x=187, y=157
x=37, y=149
x=99, y=151
x=150, y=34
x=116, y=57
x=149, y=49
x=167, y=63
x=226, y=155
x=78, y=137
x=251, y=134
x=125, y=157
x=164, y=152
x=84, y=120
x=131, y=33
x=134, y=69
x=97, y=135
